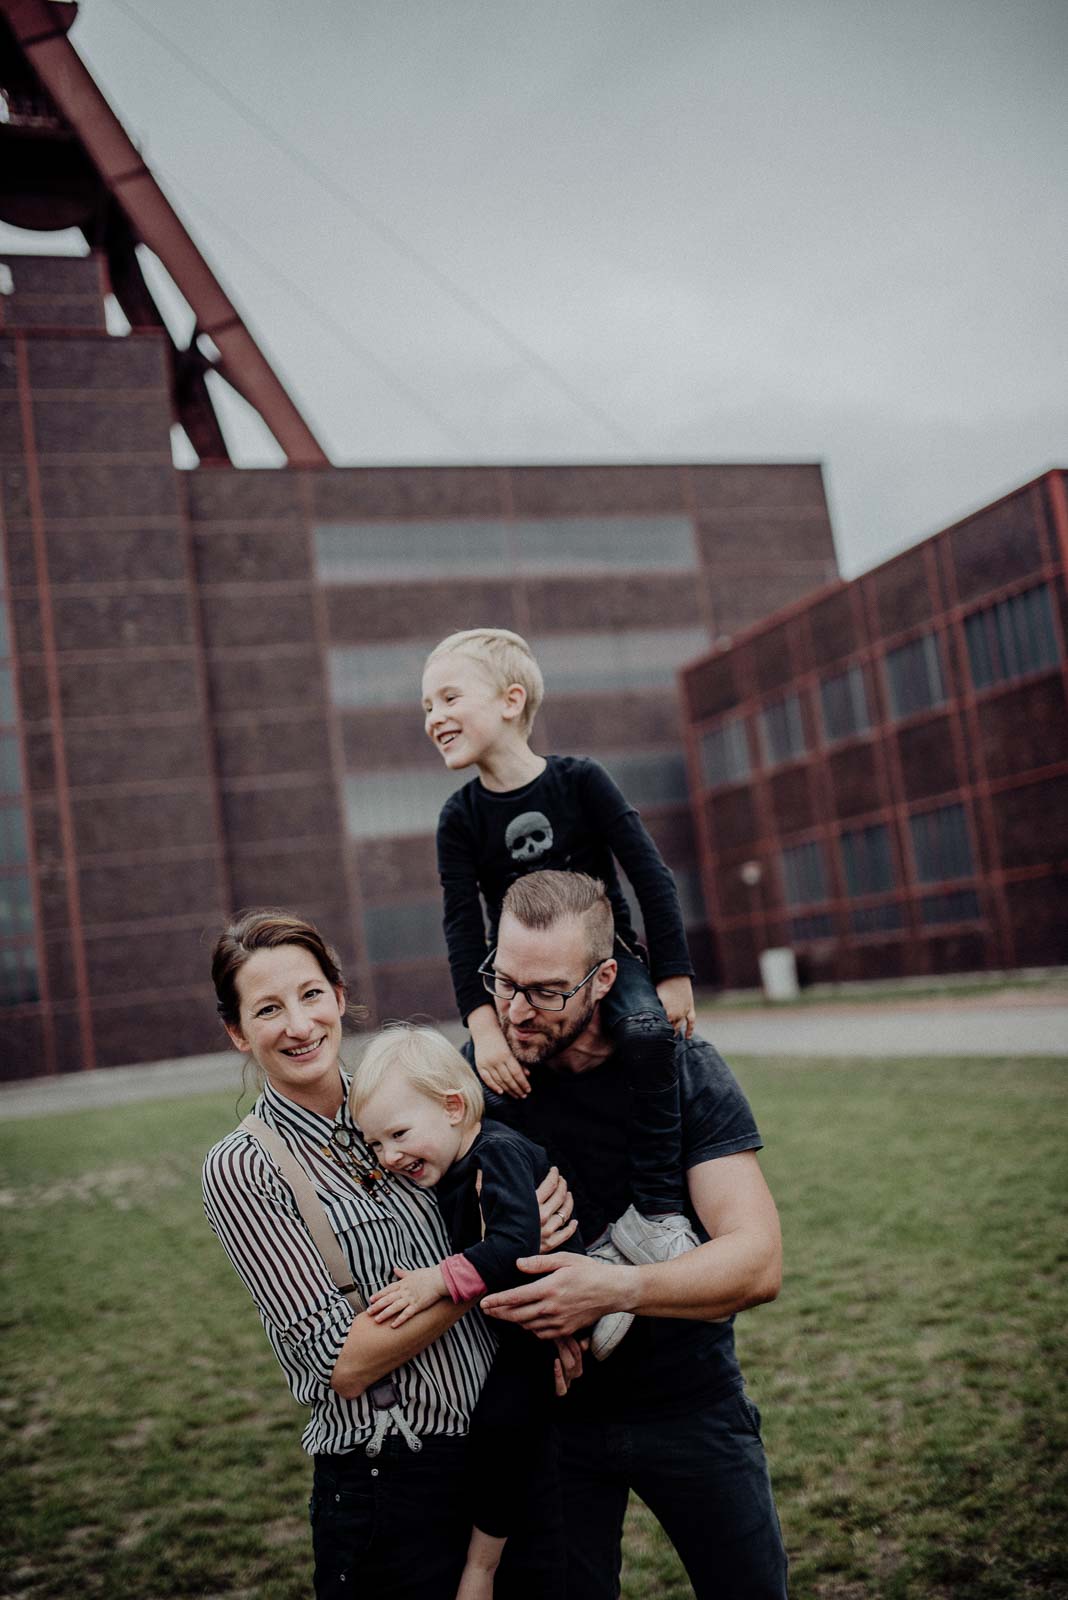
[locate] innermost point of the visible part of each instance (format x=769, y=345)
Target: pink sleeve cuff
x=461, y=1279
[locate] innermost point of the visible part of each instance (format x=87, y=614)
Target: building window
x=940, y=845
x=877, y=919
x=372, y=552
x=962, y=905
x=914, y=676
x=724, y=754
x=867, y=861
x=819, y=926
x=405, y=932
x=845, y=704
x=363, y=676
x=804, y=878
x=19, y=984
x=1011, y=638
x=782, y=732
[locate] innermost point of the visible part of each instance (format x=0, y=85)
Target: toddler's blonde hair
x=505, y=657
x=428, y=1061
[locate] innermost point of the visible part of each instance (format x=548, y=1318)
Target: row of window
x=961, y=905
x=412, y=931
x=1006, y=640
x=391, y=804
x=365, y=676
x=941, y=851
x=373, y=552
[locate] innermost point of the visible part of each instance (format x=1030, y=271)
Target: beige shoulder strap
x=309, y=1205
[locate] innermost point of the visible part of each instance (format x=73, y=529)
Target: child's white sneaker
x=644, y=1240
x=614, y=1326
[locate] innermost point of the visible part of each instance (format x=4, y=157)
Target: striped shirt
x=254, y=1213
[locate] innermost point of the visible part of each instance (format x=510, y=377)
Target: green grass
x=911, y=1375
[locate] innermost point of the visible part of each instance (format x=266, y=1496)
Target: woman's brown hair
x=262, y=929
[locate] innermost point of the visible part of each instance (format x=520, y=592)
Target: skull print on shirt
x=529, y=837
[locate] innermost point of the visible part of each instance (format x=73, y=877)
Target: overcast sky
x=579, y=230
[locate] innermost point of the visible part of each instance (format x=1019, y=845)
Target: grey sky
x=756, y=230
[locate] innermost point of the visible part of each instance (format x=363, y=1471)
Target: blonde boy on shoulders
x=523, y=812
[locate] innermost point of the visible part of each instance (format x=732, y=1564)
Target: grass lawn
x=912, y=1374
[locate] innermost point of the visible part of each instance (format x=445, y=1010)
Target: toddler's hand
x=417, y=1289
x=676, y=997
x=499, y=1069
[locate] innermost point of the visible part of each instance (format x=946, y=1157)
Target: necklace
x=341, y=1148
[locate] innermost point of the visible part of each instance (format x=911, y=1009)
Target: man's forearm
x=712, y=1282
x=371, y=1350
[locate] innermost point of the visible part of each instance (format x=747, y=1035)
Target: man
x=666, y=1414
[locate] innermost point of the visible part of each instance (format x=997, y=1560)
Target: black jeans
x=398, y=1526
x=644, y=1041
x=394, y=1526
x=704, y=1477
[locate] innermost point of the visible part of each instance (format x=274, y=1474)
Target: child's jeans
x=645, y=1042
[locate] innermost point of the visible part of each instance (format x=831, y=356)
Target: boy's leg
x=645, y=1043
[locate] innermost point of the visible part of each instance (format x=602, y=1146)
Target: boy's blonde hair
x=506, y=658
x=426, y=1059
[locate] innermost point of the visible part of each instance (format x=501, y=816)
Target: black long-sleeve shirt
x=572, y=818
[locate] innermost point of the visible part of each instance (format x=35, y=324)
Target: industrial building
x=880, y=773
x=209, y=678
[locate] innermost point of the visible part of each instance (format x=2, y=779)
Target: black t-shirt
x=572, y=818
x=583, y=1121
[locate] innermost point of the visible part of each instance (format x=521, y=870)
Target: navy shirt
x=583, y=1120
x=572, y=818
x=506, y=1209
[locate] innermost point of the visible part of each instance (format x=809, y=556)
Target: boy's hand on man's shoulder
x=501, y=1072
x=676, y=997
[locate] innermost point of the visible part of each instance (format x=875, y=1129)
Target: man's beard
x=536, y=1048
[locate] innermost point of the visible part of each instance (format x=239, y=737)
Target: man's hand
x=676, y=997
x=555, y=1205
x=569, y=1292
x=417, y=1290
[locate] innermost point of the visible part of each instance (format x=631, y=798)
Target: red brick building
x=880, y=773
x=209, y=679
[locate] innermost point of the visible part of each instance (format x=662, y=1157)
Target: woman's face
x=290, y=1024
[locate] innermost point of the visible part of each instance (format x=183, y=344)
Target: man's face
x=551, y=958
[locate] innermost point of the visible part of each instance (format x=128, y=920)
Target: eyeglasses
x=537, y=997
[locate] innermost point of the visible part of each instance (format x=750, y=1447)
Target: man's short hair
x=540, y=900
x=505, y=657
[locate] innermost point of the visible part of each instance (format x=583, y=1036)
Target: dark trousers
x=704, y=1477
x=644, y=1041
x=398, y=1526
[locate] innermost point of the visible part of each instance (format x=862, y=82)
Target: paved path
x=1011, y=1024
x=958, y=1027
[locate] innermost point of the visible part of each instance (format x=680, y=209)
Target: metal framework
x=68, y=162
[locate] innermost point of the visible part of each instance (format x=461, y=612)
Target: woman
x=395, y=1519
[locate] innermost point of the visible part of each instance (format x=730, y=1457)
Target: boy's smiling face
x=466, y=715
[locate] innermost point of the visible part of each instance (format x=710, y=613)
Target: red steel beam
x=43, y=39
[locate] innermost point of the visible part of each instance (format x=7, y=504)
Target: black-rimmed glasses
x=537, y=997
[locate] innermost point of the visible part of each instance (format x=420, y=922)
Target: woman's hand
x=417, y=1290
x=676, y=997
x=555, y=1205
